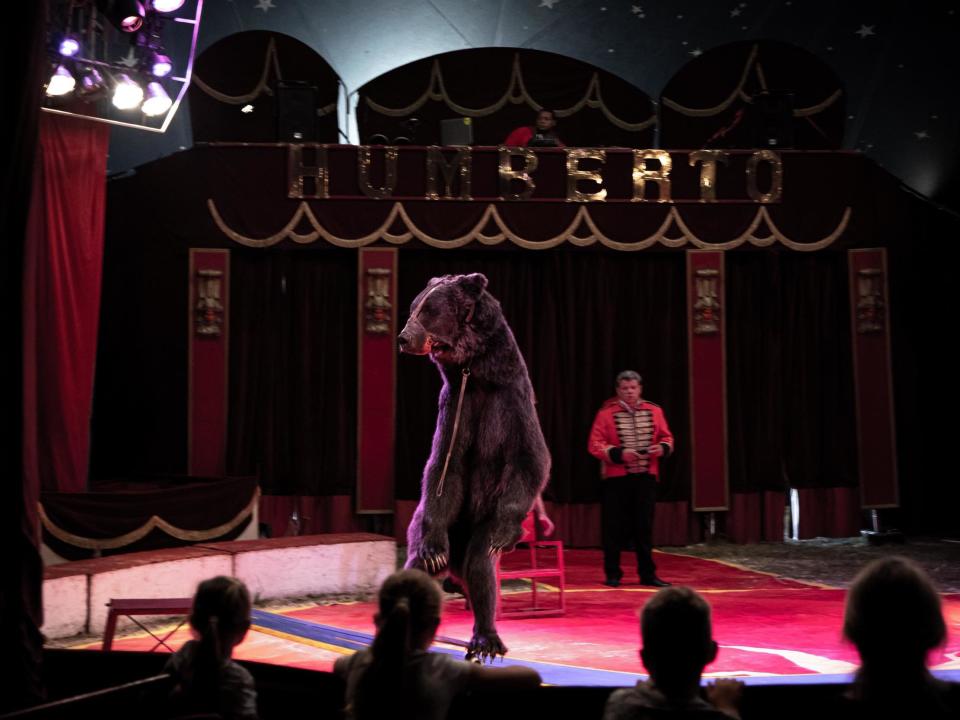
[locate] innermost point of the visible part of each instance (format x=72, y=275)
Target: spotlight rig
x=123, y=62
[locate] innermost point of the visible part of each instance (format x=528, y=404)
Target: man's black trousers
x=627, y=507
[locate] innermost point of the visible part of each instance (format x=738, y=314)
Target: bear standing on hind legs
x=489, y=461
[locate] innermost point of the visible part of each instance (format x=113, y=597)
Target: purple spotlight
x=166, y=6
x=131, y=23
x=160, y=65
x=125, y=15
x=69, y=46
x=91, y=83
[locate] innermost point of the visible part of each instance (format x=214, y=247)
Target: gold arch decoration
x=270, y=61
x=515, y=93
x=573, y=234
x=752, y=63
x=142, y=531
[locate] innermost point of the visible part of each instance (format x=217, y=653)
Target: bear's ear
x=474, y=283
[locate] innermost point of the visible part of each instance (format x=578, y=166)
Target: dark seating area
x=286, y=692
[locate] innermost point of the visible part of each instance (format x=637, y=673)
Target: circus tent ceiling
x=893, y=60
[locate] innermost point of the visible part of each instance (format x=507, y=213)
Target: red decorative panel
x=870, y=328
x=208, y=347
x=708, y=388
x=376, y=399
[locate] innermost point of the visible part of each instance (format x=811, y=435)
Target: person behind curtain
x=543, y=133
x=397, y=676
x=629, y=436
x=205, y=679
x=894, y=618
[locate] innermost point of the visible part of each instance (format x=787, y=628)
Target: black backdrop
x=579, y=316
x=233, y=68
x=293, y=371
x=552, y=81
x=708, y=80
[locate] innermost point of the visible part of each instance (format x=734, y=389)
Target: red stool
x=535, y=560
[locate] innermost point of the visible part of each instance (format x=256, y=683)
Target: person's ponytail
x=382, y=683
x=201, y=678
x=409, y=612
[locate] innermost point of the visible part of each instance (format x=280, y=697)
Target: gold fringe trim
x=154, y=522
x=515, y=93
x=738, y=91
x=491, y=214
x=270, y=61
x=814, y=109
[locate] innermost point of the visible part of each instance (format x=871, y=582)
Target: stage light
x=127, y=95
x=157, y=102
x=61, y=82
x=91, y=83
x=166, y=6
x=69, y=46
x=160, y=65
x=104, y=53
x=125, y=15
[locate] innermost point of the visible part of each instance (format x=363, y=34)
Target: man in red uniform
x=542, y=134
x=629, y=436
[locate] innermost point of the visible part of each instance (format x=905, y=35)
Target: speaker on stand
x=296, y=112
x=772, y=119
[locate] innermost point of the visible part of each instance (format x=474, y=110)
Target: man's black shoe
x=654, y=582
x=612, y=582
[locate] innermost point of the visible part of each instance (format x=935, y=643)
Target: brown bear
x=475, y=494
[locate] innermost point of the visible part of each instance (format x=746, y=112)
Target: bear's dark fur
x=500, y=461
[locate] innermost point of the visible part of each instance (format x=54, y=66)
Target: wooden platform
x=75, y=594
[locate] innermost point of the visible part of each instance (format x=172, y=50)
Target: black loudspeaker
x=296, y=112
x=772, y=119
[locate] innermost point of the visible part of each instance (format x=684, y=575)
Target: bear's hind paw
x=484, y=647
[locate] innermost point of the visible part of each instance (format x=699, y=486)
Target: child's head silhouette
x=893, y=614
x=677, y=638
x=409, y=602
x=221, y=613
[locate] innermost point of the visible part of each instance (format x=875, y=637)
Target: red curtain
x=61, y=301
x=755, y=516
x=316, y=514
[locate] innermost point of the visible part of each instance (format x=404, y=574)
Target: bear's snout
x=413, y=339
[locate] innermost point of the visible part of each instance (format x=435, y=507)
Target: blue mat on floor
x=552, y=674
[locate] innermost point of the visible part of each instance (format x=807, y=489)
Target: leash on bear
x=465, y=373
x=463, y=383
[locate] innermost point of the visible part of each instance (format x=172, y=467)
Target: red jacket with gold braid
x=618, y=427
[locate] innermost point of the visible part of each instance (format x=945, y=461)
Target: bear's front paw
x=505, y=540
x=485, y=646
x=429, y=556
